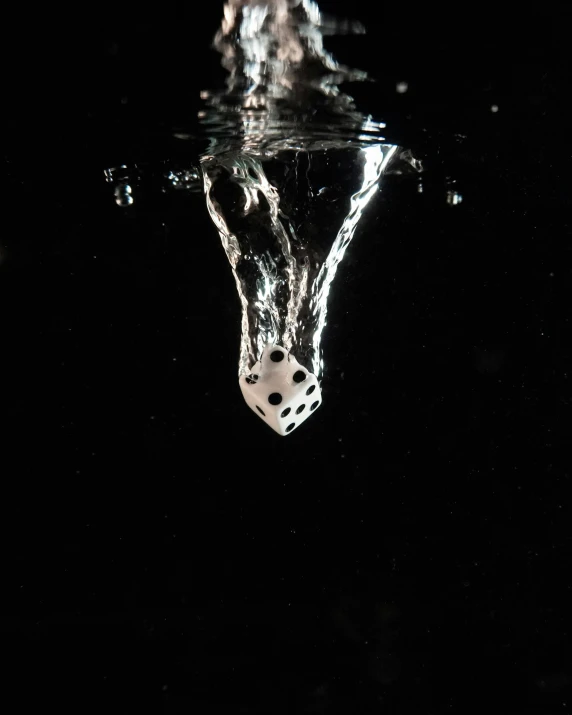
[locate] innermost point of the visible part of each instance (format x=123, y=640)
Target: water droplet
x=123, y=195
x=454, y=198
x=188, y=179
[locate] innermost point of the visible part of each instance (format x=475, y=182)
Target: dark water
x=408, y=549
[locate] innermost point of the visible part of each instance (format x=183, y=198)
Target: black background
x=408, y=549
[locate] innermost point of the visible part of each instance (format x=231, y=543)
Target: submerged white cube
x=280, y=391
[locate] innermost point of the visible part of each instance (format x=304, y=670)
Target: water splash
x=273, y=49
x=286, y=235
x=291, y=167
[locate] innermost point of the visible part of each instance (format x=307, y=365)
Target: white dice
x=280, y=391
